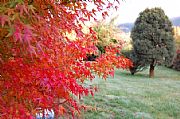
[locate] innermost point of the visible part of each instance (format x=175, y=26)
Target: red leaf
x=4, y=19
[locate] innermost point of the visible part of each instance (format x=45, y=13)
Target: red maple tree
x=40, y=67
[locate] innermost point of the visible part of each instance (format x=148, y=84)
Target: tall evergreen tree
x=153, y=41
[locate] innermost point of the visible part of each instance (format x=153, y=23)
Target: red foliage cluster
x=40, y=67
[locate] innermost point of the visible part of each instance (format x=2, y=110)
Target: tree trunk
x=151, y=70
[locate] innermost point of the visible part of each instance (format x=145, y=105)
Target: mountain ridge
x=126, y=27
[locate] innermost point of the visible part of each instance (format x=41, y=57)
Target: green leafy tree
x=153, y=41
x=108, y=35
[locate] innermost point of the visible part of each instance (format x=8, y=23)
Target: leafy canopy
x=40, y=67
x=107, y=34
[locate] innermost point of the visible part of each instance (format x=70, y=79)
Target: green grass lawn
x=136, y=97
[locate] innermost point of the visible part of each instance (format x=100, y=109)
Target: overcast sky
x=129, y=9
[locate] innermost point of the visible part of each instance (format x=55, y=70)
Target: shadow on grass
x=160, y=72
x=127, y=74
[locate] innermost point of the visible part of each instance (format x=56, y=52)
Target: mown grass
x=136, y=97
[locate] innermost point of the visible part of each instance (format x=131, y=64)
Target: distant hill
x=176, y=21
x=126, y=27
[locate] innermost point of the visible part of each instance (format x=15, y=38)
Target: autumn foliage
x=40, y=67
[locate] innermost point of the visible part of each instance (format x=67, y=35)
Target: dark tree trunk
x=132, y=73
x=151, y=70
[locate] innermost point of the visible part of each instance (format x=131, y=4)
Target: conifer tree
x=153, y=41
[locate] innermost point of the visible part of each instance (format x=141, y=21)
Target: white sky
x=129, y=9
